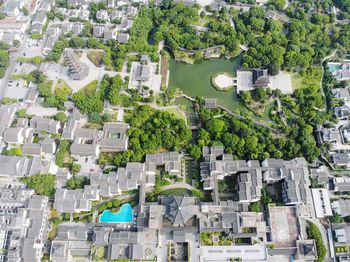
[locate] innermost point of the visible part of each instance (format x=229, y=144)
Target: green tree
x=61, y=116
x=315, y=234
x=336, y=218
x=43, y=184
x=278, y=4
x=21, y=112
x=255, y=207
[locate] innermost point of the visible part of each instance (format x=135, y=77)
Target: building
x=341, y=207
x=75, y=121
x=23, y=224
x=15, y=167
x=13, y=8
x=322, y=203
x=342, y=112
x=76, y=69
x=340, y=71
x=144, y=74
x=341, y=184
x=45, y=124
x=170, y=160
x=249, y=186
x=15, y=135
x=85, y=143
x=102, y=15
x=71, y=243
x=210, y=103
x=329, y=135
x=7, y=115
x=39, y=21
x=114, y=138
x=341, y=233
x=341, y=94
x=249, y=79
x=75, y=201
x=123, y=38
x=320, y=175
x=341, y=160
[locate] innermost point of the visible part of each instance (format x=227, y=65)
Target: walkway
x=179, y=185
x=324, y=109
x=256, y=122
x=323, y=232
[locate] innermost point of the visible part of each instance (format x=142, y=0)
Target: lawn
x=52, y=233
x=99, y=253
x=96, y=57
x=177, y=113
x=62, y=87
x=176, y=192
x=308, y=79
x=90, y=88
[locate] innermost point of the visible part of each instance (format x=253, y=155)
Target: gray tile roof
x=114, y=137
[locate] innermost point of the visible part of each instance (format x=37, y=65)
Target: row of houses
x=337, y=137
x=115, y=183
x=293, y=175
x=24, y=224
x=40, y=17
x=184, y=222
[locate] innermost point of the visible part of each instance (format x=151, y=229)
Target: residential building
x=170, y=160
x=341, y=94
x=71, y=243
x=75, y=121
x=75, y=201
x=114, y=138
x=342, y=112
x=23, y=224
x=102, y=15
x=341, y=184
x=15, y=135
x=76, y=69
x=341, y=160
x=85, y=143
x=341, y=207
x=15, y=167
x=322, y=203
x=45, y=124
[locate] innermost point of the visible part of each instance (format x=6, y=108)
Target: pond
x=195, y=79
x=123, y=216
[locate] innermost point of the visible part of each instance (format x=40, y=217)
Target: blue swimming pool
x=333, y=67
x=123, y=216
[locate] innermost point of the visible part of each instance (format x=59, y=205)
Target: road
x=10, y=70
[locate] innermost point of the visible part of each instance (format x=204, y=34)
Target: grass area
x=96, y=57
x=177, y=113
x=214, y=239
x=176, y=192
x=308, y=79
x=62, y=86
x=99, y=253
x=342, y=249
x=190, y=171
x=90, y=88
x=52, y=233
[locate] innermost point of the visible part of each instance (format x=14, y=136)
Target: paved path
x=324, y=109
x=258, y=123
x=178, y=185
